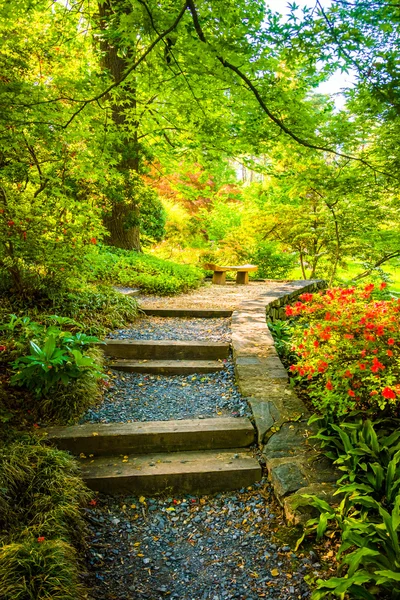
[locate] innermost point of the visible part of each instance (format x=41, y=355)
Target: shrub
x=43, y=238
x=40, y=570
x=271, y=261
x=97, y=308
x=153, y=275
x=350, y=351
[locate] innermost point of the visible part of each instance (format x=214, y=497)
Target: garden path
x=210, y=296
x=191, y=547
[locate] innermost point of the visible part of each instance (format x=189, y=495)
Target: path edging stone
x=295, y=463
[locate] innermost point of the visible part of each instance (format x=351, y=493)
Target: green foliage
x=41, y=524
x=98, y=307
x=57, y=362
x=41, y=493
x=282, y=332
x=150, y=274
x=152, y=215
x=61, y=370
x=271, y=261
x=40, y=571
x=368, y=516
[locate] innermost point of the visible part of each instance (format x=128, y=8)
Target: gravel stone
x=192, y=548
x=141, y=397
x=171, y=328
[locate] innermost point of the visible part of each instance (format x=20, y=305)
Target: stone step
x=166, y=349
x=209, y=313
x=153, y=436
x=203, y=472
x=167, y=367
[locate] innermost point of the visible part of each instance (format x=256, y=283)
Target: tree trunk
x=121, y=232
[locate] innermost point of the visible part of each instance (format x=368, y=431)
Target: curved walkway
x=220, y=546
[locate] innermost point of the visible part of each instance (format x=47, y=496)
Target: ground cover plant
x=42, y=529
x=149, y=273
x=346, y=345
x=56, y=363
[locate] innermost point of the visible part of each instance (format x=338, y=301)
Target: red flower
x=10, y=223
x=36, y=426
x=3, y=348
x=289, y=311
x=390, y=341
x=92, y=502
x=41, y=538
x=389, y=353
x=93, y=240
x=306, y=297
x=362, y=366
x=316, y=344
x=292, y=368
x=383, y=285
x=348, y=374
x=322, y=366
x=387, y=392
x=351, y=393
x=369, y=287
x=329, y=385
x=373, y=393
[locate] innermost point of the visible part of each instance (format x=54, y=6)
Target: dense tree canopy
x=92, y=94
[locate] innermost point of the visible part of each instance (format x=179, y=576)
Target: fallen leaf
x=274, y=572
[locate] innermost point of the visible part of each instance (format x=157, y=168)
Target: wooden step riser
x=194, y=313
x=183, y=483
x=166, y=370
x=150, y=443
x=201, y=472
x=165, y=350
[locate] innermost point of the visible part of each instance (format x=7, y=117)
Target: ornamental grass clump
x=40, y=569
x=348, y=347
x=41, y=494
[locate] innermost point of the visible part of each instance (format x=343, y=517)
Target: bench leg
x=242, y=277
x=219, y=277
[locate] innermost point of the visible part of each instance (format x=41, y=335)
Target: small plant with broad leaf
x=368, y=515
x=58, y=366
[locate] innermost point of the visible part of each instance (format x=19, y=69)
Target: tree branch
x=131, y=68
x=257, y=95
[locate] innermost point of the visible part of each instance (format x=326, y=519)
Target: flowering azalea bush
x=349, y=348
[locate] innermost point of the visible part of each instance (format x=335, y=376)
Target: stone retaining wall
x=294, y=462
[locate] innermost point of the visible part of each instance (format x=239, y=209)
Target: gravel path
x=139, y=397
x=210, y=296
x=188, y=548
x=168, y=328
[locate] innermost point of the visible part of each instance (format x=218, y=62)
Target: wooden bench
x=219, y=275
